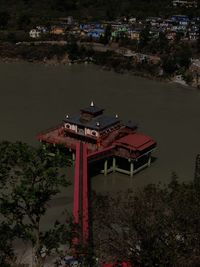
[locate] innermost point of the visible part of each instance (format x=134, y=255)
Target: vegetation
x=157, y=226
x=44, y=9
x=29, y=179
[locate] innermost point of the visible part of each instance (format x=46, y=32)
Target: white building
x=186, y=3
x=35, y=33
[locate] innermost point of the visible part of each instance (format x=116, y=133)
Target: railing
x=100, y=154
x=80, y=208
x=50, y=129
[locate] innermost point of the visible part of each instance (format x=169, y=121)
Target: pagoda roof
x=136, y=141
x=99, y=122
x=92, y=110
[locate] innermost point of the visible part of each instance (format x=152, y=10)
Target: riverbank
x=55, y=54
x=66, y=61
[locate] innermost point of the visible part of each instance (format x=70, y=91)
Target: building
x=96, y=33
x=57, y=30
x=107, y=137
x=179, y=18
x=135, y=35
x=90, y=124
x=35, y=33
x=185, y=3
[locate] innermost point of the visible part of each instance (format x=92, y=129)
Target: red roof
x=136, y=141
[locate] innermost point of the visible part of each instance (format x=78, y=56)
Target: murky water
x=34, y=97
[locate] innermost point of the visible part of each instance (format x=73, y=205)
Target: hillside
x=99, y=9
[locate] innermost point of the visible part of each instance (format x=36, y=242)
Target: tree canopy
x=29, y=179
x=99, y=9
x=157, y=226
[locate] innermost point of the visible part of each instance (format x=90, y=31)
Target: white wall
x=89, y=132
x=71, y=127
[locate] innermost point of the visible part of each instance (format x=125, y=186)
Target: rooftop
x=92, y=109
x=100, y=122
x=137, y=141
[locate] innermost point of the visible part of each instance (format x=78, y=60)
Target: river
x=34, y=97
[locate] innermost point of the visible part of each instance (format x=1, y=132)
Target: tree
x=4, y=19
x=73, y=49
x=156, y=226
x=23, y=21
x=183, y=55
x=197, y=172
x=162, y=42
x=144, y=37
x=106, y=38
x=29, y=179
x=198, y=39
x=6, y=250
x=169, y=64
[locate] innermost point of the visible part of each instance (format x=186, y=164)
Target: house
x=132, y=20
x=70, y=20
x=35, y=33
x=134, y=35
x=42, y=29
x=56, y=30
x=154, y=33
x=143, y=58
x=184, y=23
x=171, y=36
x=193, y=35
x=185, y=3
x=195, y=65
x=179, y=18
x=84, y=27
x=96, y=33
x=153, y=19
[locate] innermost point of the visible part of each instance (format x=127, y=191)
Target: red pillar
x=85, y=197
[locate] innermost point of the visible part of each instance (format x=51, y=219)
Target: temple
x=107, y=137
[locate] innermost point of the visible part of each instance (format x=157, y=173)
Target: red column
x=76, y=189
x=85, y=197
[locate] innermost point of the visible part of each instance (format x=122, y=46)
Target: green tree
x=107, y=34
x=163, y=42
x=6, y=251
x=23, y=21
x=155, y=226
x=4, y=19
x=198, y=39
x=73, y=49
x=169, y=64
x=183, y=55
x=144, y=37
x=197, y=172
x=29, y=179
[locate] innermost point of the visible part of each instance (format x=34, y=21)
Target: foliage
x=183, y=55
x=107, y=35
x=157, y=226
x=29, y=179
x=144, y=37
x=6, y=251
x=85, y=8
x=188, y=77
x=73, y=49
x=169, y=64
x=4, y=19
x=23, y=21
